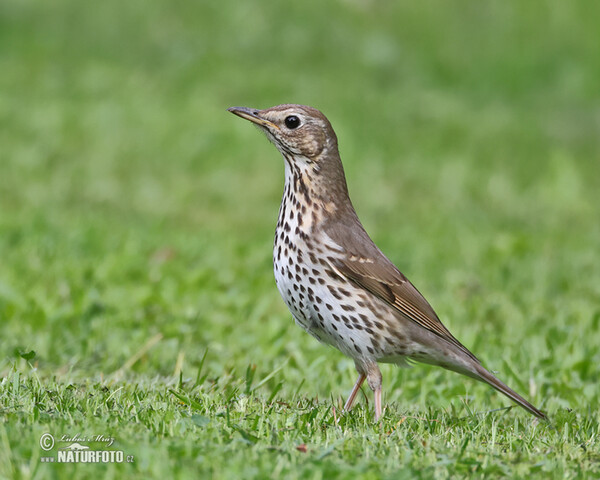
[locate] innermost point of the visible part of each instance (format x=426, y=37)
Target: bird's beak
x=253, y=115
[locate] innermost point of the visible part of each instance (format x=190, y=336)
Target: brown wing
x=365, y=265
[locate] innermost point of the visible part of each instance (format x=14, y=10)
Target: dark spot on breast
x=365, y=320
x=334, y=292
x=331, y=274
x=299, y=184
x=394, y=333
x=347, y=308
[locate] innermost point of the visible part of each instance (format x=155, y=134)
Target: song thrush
x=337, y=284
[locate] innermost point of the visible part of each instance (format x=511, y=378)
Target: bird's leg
x=378, y=403
x=357, y=385
x=374, y=381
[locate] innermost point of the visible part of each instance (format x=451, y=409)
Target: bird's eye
x=292, y=122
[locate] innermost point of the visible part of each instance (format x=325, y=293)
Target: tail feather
x=483, y=375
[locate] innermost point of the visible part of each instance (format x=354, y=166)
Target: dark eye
x=292, y=122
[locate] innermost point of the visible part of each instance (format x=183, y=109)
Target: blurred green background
x=132, y=204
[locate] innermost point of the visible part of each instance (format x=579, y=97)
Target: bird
x=337, y=284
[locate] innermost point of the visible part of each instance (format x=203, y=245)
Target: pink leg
x=374, y=380
x=357, y=385
x=377, y=403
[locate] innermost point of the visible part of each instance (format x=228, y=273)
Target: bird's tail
x=483, y=375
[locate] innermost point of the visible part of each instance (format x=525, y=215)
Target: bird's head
x=308, y=143
x=300, y=133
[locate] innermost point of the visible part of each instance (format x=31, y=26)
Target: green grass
x=136, y=222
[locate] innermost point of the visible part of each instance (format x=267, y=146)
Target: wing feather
x=365, y=265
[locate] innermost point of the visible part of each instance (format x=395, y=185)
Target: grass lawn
x=137, y=300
